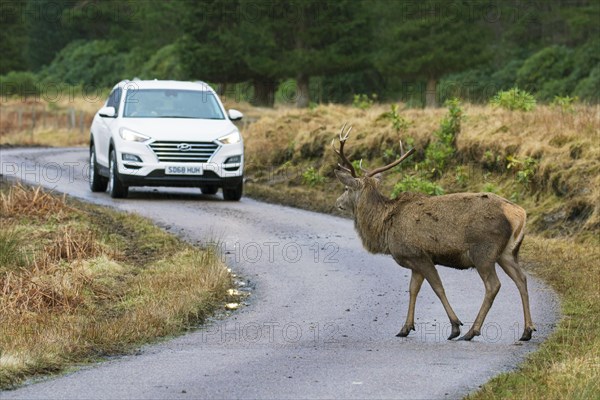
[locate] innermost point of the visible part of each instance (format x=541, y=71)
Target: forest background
x=307, y=51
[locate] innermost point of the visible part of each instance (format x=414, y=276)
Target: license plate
x=183, y=170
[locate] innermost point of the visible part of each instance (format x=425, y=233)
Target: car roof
x=160, y=84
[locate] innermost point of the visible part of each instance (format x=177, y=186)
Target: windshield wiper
x=175, y=116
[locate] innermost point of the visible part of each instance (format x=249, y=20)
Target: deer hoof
x=455, y=331
x=527, y=334
x=470, y=335
x=405, y=331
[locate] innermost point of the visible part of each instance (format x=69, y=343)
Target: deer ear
x=347, y=179
x=378, y=178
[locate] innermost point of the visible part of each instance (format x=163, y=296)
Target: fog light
x=233, y=160
x=130, y=157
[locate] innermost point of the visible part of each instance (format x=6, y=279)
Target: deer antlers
x=347, y=165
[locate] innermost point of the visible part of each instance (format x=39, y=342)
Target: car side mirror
x=109, y=112
x=235, y=115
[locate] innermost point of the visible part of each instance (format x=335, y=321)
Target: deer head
x=354, y=185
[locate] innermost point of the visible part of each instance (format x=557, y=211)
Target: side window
x=114, y=100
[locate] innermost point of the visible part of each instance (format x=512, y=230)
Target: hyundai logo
x=184, y=147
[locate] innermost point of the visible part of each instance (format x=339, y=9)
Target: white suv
x=166, y=133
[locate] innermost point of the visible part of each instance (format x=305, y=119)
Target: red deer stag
x=462, y=230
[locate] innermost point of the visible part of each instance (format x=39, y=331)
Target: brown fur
x=463, y=230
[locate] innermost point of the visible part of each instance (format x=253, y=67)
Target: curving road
x=321, y=319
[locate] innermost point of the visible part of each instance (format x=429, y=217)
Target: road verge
x=80, y=282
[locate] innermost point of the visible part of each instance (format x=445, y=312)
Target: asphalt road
x=321, y=320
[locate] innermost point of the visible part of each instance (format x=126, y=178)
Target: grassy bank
x=80, y=282
x=547, y=160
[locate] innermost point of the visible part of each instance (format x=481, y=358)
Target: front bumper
x=159, y=178
x=217, y=171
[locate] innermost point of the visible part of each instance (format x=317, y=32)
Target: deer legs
x=512, y=269
x=487, y=272
x=426, y=270
x=434, y=280
x=416, y=280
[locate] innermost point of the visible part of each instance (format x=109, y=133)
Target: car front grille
x=170, y=151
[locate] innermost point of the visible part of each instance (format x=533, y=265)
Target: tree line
x=417, y=51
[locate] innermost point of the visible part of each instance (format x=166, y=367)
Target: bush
x=525, y=169
x=474, y=85
x=514, y=99
x=363, y=101
x=19, y=84
x=399, y=123
x=96, y=62
x=437, y=155
x=411, y=183
x=565, y=103
x=311, y=177
x=439, y=152
x=588, y=89
x=164, y=64
x=547, y=73
x=586, y=59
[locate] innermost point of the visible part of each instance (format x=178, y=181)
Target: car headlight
x=128, y=134
x=233, y=137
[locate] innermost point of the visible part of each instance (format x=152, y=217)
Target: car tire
x=98, y=183
x=233, y=193
x=210, y=189
x=116, y=189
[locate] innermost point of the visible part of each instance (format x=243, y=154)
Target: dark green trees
x=13, y=38
x=267, y=41
x=426, y=40
x=212, y=48
x=327, y=38
x=335, y=48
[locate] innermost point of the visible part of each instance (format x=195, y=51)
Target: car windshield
x=169, y=103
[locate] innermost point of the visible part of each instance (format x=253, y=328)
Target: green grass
x=10, y=254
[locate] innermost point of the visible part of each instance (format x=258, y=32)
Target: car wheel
x=233, y=193
x=116, y=189
x=98, y=183
x=210, y=189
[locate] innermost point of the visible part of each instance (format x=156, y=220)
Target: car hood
x=180, y=129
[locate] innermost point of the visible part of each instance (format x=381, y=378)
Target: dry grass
x=21, y=201
x=563, y=202
x=69, y=294
x=565, y=145
x=46, y=138
x=39, y=122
